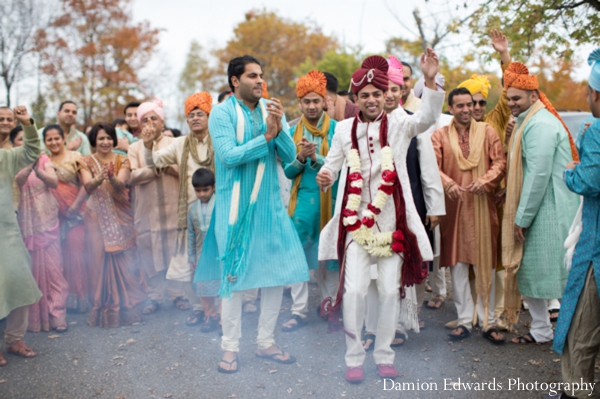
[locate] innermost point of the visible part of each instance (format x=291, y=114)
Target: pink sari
x=72, y=233
x=38, y=219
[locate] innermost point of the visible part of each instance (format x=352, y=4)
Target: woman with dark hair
x=38, y=219
x=70, y=195
x=117, y=288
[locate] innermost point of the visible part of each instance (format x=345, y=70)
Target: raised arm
x=26, y=155
x=431, y=180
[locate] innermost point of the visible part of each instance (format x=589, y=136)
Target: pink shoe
x=386, y=371
x=355, y=375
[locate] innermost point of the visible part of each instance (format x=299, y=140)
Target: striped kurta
x=274, y=256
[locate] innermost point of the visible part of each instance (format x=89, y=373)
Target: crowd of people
x=374, y=191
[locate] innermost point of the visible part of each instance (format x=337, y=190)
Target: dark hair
x=203, y=177
x=332, y=82
x=237, y=66
x=176, y=132
x=107, y=127
x=118, y=121
x=458, y=92
x=406, y=64
x=131, y=104
x=60, y=130
x=64, y=103
x=223, y=94
x=14, y=133
x=343, y=93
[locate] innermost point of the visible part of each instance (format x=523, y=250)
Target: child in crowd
x=199, y=215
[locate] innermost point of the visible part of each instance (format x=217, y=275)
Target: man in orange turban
x=539, y=207
x=187, y=154
x=310, y=208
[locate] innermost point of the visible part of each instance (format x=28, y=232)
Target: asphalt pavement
x=164, y=358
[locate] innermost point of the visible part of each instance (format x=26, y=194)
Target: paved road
x=163, y=358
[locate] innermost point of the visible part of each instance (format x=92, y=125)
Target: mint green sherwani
x=17, y=285
x=546, y=208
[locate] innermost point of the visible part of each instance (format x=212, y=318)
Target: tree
x=558, y=85
x=340, y=64
x=280, y=45
x=552, y=26
x=93, y=54
x=19, y=23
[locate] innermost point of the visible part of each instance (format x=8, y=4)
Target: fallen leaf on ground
x=118, y=357
x=556, y=360
x=130, y=341
x=476, y=359
x=289, y=390
x=53, y=336
x=2, y=381
x=168, y=395
x=261, y=386
x=121, y=397
x=535, y=362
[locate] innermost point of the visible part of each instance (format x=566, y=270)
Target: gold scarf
x=189, y=148
x=512, y=251
x=323, y=150
x=483, y=230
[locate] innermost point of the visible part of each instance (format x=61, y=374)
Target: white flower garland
x=377, y=244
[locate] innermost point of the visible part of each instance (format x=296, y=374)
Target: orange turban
x=265, y=93
x=314, y=82
x=517, y=76
x=201, y=100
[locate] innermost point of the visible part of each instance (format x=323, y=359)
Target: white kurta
x=401, y=129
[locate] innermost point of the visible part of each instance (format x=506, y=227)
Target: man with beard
x=472, y=164
x=74, y=139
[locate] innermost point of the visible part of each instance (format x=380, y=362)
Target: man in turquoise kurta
x=18, y=288
x=578, y=324
x=255, y=238
x=546, y=207
x=310, y=208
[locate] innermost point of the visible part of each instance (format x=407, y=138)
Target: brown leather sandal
x=20, y=349
x=2, y=361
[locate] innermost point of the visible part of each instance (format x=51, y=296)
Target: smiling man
x=310, y=208
x=7, y=123
x=472, y=164
x=376, y=215
x=539, y=207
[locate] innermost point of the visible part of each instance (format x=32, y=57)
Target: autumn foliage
x=92, y=54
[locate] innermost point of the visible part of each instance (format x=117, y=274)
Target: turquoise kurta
x=546, y=208
x=17, y=285
x=274, y=254
x=583, y=180
x=307, y=216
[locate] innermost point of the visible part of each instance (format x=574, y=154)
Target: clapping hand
x=147, y=135
x=274, y=125
x=73, y=145
x=308, y=150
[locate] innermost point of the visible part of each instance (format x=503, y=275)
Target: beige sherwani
x=156, y=196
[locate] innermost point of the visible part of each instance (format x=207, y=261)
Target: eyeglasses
x=482, y=103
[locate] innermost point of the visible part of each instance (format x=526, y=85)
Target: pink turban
x=395, y=72
x=156, y=105
x=373, y=71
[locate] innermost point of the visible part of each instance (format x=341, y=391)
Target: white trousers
x=499, y=297
x=158, y=284
x=250, y=295
x=231, y=318
x=357, y=280
x=327, y=282
x=463, y=299
x=541, y=328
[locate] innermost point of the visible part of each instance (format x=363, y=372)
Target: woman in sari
x=38, y=219
x=70, y=195
x=117, y=288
